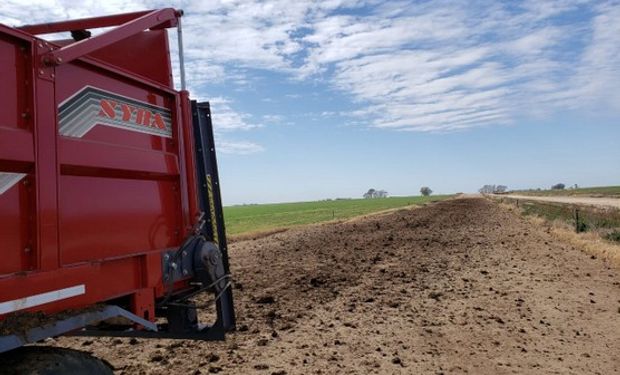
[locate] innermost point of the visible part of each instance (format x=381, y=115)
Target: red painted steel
x=185, y=110
x=156, y=66
x=97, y=204
x=16, y=227
x=14, y=68
x=73, y=51
x=123, y=55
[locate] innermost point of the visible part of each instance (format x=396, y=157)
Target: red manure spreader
x=111, y=218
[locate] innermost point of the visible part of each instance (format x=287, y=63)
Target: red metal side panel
x=77, y=81
x=119, y=182
x=16, y=156
x=14, y=71
x=16, y=207
x=110, y=217
x=150, y=60
x=100, y=282
x=124, y=54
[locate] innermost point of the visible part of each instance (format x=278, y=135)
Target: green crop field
x=265, y=217
x=601, y=191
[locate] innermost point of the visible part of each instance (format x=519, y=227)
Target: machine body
x=109, y=192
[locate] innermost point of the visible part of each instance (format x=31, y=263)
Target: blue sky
x=315, y=100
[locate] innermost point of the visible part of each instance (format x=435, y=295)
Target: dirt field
x=460, y=286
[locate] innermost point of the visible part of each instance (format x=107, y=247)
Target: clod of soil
x=265, y=300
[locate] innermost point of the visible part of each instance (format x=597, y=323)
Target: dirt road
x=460, y=286
x=590, y=201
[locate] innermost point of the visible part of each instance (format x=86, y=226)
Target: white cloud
x=225, y=119
x=425, y=66
x=459, y=65
x=239, y=148
x=18, y=12
x=535, y=43
x=273, y=119
x=597, y=77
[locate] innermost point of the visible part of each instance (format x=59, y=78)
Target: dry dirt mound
x=460, y=286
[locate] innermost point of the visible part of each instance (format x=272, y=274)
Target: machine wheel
x=42, y=360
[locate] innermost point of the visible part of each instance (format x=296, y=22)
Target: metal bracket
x=44, y=71
x=177, y=266
x=65, y=326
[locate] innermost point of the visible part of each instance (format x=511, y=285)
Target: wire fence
x=605, y=221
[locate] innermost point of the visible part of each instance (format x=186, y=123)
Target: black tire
x=43, y=360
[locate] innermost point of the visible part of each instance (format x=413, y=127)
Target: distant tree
x=381, y=194
x=426, y=191
x=370, y=193
x=493, y=189
x=559, y=186
x=487, y=189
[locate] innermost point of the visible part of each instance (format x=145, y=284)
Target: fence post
x=576, y=220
